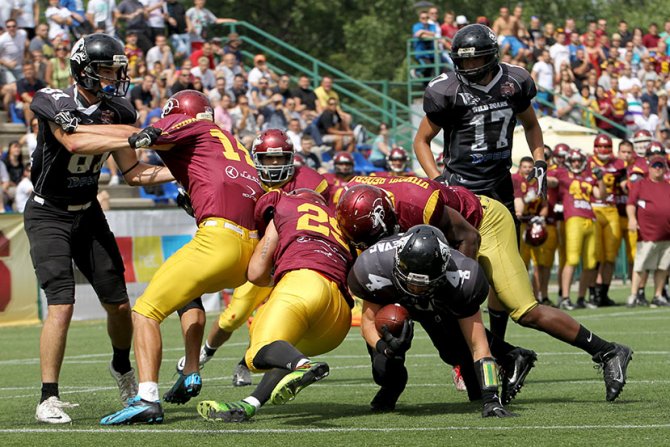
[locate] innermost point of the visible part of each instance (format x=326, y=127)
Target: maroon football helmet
x=602, y=147
x=561, y=151
x=309, y=194
x=573, y=156
x=273, y=156
x=366, y=214
x=343, y=163
x=641, y=140
x=654, y=148
x=191, y=103
x=536, y=233
x=397, y=160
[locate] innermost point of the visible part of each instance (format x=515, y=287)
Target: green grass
x=563, y=402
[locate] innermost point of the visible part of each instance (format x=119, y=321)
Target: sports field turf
x=563, y=401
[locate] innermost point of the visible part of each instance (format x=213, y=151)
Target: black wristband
x=130, y=168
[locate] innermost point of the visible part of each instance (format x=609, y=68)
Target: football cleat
x=565, y=304
x=295, y=381
x=239, y=411
x=385, y=400
x=184, y=389
x=459, y=383
x=126, y=382
x=606, y=301
x=51, y=411
x=241, y=375
x=614, y=364
x=583, y=304
x=659, y=301
x=515, y=367
x=138, y=411
x=204, y=358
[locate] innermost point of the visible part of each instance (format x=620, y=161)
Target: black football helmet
x=474, y=41
x=421, y=261
x=92, y=52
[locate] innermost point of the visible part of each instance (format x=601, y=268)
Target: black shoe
x=184, y=389
x=614, y=364
x=580, y=304
x=515, y=367
x=641, y=301
x=138, y=411
x=606, y=301
x=547, y=302
x=385, y=399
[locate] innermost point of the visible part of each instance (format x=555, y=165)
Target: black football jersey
x=478, y=122
x=56, y=173
x=465, y=290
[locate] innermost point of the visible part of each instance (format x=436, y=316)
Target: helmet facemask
x=274, y=173
x=117, y=86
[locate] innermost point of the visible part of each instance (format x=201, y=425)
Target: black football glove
x=184, y=201
x=67, y=121
x=598, y=173
x=493, y=408
x=539, y=172
x=393, y=347
x=144, y=138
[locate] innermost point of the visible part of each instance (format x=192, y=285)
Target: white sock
x=148, y=391
x=251, y=400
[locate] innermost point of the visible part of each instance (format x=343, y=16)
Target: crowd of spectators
x=608, y=76
x=170, y=48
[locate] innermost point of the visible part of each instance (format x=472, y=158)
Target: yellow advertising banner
x=19, y=294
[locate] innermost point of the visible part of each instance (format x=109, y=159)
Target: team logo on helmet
x=78, y=52
x=171, y=104
x=378, y=214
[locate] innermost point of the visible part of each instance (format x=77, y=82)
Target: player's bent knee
x=147, y=310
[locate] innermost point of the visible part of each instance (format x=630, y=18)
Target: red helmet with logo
x=654, y=148
x=191, y=103
x=343, y=163
x=397, y=160
x=366, y=214
x=602, y=147
x=561, y=151
x=309, y=194
x=536, y=233
x=641, y=140
x=273, y=155
x=573, y=156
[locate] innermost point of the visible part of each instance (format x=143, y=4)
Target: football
x=392, y=316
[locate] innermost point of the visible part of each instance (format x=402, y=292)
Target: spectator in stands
x=294, y=132
x=101, y=14
x=239, y=87
x=543, y=75
x=282, y=87
x=13, y=43
x=80, y=25
x=247, y=124
x=155, y=18
x=142, y=97
x=570, y=26
x=662, y=111
x=574, y=45
x=461, y=21
x=508, y=30
x=424, y=44
x=304, y=95
x=648, y=211
x=647, y=120
x=593, y=52
x=23, y=190
x=605, y=79
x=13, y=160
x=41, y=41
x=160, y=52
x=650, y=40
x=627, y=80
x=260, y=70
x=58, y=68
x=39, y=64
x=565, y=75
x=134, y=53
x=260, y=95
x=381, y=147
x=334, y=130
x=197, y=84
x=581, y=67
x=567, y=104
x=206, y=50
x=559, y=51
x=233, y=47
x=634, y=107
x=293, y=113
x=184, y=81
x=29, y=139
x=606, y=109
x=324, y=93
x=647, y=72
x=218, y=91
x=222, y=116
x=4, y=186
x=275, y=114
x=311, y=159
x=589, y=107
x=206, y=74
x=26, y=88
x=27, y=15
x=175, y=21
x=228, y=68
x=59, y=19
x=198, y=18
x=549, y=33
x=448, y=27
x=132, y=13
x=617, y=50
x=650, y=95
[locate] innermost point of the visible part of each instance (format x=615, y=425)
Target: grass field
x=563, y=402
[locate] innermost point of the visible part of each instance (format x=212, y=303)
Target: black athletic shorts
x=58, y=237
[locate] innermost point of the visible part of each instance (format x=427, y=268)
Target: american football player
x=343, y=166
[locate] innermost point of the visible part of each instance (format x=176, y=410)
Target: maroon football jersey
x=575, y=192
x=304, y=177
x=553, y=198
x=416, y=200
x=613, y=171
x=309, y=237
x=218, y=174
x=336, y=187
x=465, y=202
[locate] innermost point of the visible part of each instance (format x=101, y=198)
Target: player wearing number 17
x=221, y=180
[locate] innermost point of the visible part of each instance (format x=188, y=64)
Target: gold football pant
x=581, y=234
x=607, y=245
